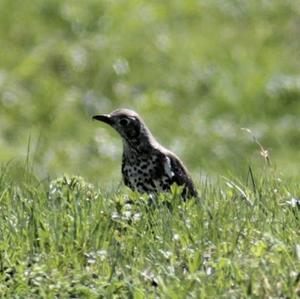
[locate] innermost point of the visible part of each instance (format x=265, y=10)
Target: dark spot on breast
x=165, y=187
x=152, y=184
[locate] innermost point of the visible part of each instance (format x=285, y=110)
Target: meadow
x=217, y=82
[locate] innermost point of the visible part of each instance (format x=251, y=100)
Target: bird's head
x=128, y=124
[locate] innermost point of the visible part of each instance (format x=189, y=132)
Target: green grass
x=67, y=238
x=206, y=68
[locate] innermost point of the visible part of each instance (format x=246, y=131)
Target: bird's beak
x=106, y=118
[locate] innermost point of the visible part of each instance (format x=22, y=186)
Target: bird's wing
x=178, y=173
x=168, y=169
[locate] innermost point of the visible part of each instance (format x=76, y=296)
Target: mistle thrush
x=147, y=167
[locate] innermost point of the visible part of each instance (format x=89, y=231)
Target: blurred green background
x=197, y=71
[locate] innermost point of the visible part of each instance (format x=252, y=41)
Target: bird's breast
x=146, y=174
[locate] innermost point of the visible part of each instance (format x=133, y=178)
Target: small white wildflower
x=102, y=254
x=137, y=217
x=126, y=215
x=176, y=237
x=294, y=202
x=115, y=216
x=209, y=271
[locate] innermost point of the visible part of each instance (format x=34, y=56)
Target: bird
x=147, y=166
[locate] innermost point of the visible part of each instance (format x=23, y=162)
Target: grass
x=67, y=238
x=223, y=65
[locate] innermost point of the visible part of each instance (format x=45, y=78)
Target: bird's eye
x=124, y=122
